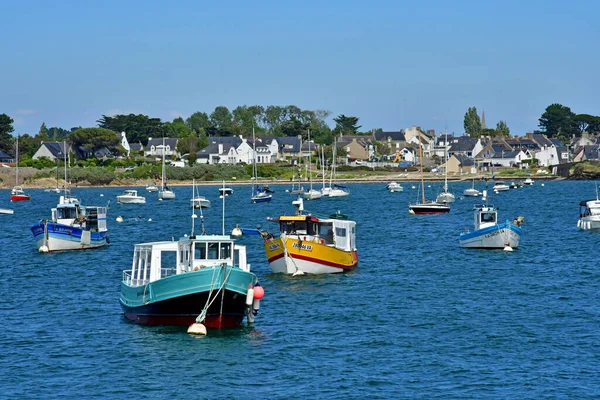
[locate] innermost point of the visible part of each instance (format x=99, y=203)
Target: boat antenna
x=223, y=216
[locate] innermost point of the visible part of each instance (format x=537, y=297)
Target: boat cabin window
x=341, y=232
x=225, y=250
x=299, y=227
x=488, y=217
x=326, y=233
x=200, y=251
x=67, y=212
x=213, y=251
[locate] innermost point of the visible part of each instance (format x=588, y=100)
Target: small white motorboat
x=394, y=187
x=528, y=181
x=589, y=214
x=6, y=211
x=500, y=186
x=227, y=191
x=131, y=197
x=489, y=233
x=151, y=187
x=471, y=192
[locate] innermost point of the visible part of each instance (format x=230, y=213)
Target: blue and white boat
x=489, y=233
x=72, y=227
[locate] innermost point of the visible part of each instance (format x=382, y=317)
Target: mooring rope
x=209, y=302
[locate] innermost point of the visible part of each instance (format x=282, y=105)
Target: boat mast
x=309, y=162
x=421, y=157
x=253, y=160
x=65, y=160
x=162, y=181
x=17, y=165
x=446, y=168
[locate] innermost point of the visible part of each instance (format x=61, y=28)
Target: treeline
x=557, y=121
x=193, y=131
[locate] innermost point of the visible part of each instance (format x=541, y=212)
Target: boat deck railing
x=141, y=281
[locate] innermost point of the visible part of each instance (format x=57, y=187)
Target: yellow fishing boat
x=311, y=245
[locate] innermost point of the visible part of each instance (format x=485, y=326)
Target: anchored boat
x=589, y=214
x=312, y=245
x=197, y=279
x=72, y=227
x=488, y=233
x=131, y=197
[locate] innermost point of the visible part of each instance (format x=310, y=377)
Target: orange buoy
x=259, y=292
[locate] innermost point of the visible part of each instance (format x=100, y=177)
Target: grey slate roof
x=5, y=157
x=292, y=141
x=462, y=144
x=542, y=140
x=464, y=160
x=57, y=149
x=213, y=148
x=232, y=140
x=156, y=142
x=506, y=154
x=136, y=146
x=397, y=136
x=590, y=152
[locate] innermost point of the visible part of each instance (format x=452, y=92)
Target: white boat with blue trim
x=489, y=233
x=72, y=227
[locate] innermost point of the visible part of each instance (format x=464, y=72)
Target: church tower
x=483, y=126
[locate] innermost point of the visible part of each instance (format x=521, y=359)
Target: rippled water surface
x=419, y=317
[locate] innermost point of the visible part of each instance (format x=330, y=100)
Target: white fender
x=249, y=297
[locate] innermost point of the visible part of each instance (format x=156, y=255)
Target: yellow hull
x=311, y=257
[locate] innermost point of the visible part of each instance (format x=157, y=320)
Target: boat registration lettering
x=274, y=246
x=307, y=247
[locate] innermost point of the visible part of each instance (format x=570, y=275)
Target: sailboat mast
x=17, y=165
x=446, y=168
x=65, y=161
x=162, y=182
x=421, y=157
x=253, y=160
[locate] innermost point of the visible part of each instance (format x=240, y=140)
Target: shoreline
x=410, y=177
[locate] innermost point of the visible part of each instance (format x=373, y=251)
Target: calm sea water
x=419, y=317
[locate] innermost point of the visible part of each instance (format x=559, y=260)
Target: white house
x=154, y=148
x=125, y=143
x=217, y=153
x=406, y=155
x=547, y=156
x=509, y=158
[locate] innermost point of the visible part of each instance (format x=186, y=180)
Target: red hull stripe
x=214, y=321
x=19, y=198
x=317, y=261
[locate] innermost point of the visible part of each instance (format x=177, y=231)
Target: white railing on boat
x=127, y=278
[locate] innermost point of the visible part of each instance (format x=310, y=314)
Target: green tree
x=178, y=129
x=587, y=123
x=221, y=119
x=6, y=140
x=197, y=121
x=273, y=117
x=502, y=129
x=28, y=145
x=294, y=127
x=472, y=123
x=382, y=149
x=43, y=133
x=58, y=134
x=137, y=127
x=94, y=138
x=558, y=121
x=346, y=125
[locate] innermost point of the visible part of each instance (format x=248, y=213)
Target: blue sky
x=393, y=64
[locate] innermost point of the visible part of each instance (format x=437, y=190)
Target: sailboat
x=472, y=192
x=198, y=201
x=426, y=206
x=17, y=193
x=445, y=196
x=164, y=193
x=589, y=213
x=259, y=195
x=335, y=190
x=311, y=194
